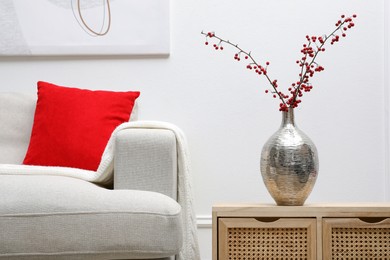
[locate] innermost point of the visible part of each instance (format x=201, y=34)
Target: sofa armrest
x=146, y=159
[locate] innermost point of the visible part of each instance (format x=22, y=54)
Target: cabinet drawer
x=356, y=238
x=266, y=238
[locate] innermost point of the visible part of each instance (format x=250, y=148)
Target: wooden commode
x=314, y=232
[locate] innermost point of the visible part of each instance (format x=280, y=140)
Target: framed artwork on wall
x=84, y=27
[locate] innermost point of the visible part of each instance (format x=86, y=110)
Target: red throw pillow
x=72, y=126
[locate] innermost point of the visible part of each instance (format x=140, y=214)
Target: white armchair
x=146, y=214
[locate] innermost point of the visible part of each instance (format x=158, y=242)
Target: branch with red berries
x=307, y=63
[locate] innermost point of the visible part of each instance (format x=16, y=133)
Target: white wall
x=223, y=109
x=387, y=97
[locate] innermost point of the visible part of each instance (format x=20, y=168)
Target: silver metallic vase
x=289, y=163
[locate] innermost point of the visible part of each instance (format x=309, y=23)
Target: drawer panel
x=357, y=239
x=266, y=238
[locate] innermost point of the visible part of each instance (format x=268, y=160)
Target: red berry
x=266, y=91
x=354, y=16
x=267, y=63
x=206, y=43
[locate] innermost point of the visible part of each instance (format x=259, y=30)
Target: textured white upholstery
x=16, y=119
x=145, y=154
x=63, y=216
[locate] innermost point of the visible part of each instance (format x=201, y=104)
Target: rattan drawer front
x=353, y=238
x=265, y=238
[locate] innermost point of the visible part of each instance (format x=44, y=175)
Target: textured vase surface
x=289, y=163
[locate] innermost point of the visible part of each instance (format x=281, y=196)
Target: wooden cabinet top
x=308, y=210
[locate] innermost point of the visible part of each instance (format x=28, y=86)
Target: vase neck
x=288, y=117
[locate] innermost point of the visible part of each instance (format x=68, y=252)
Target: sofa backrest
x=16, y=120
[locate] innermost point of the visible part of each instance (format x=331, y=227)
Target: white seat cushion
x=62, y=217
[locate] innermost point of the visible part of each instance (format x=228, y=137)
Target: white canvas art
x=84, y=27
